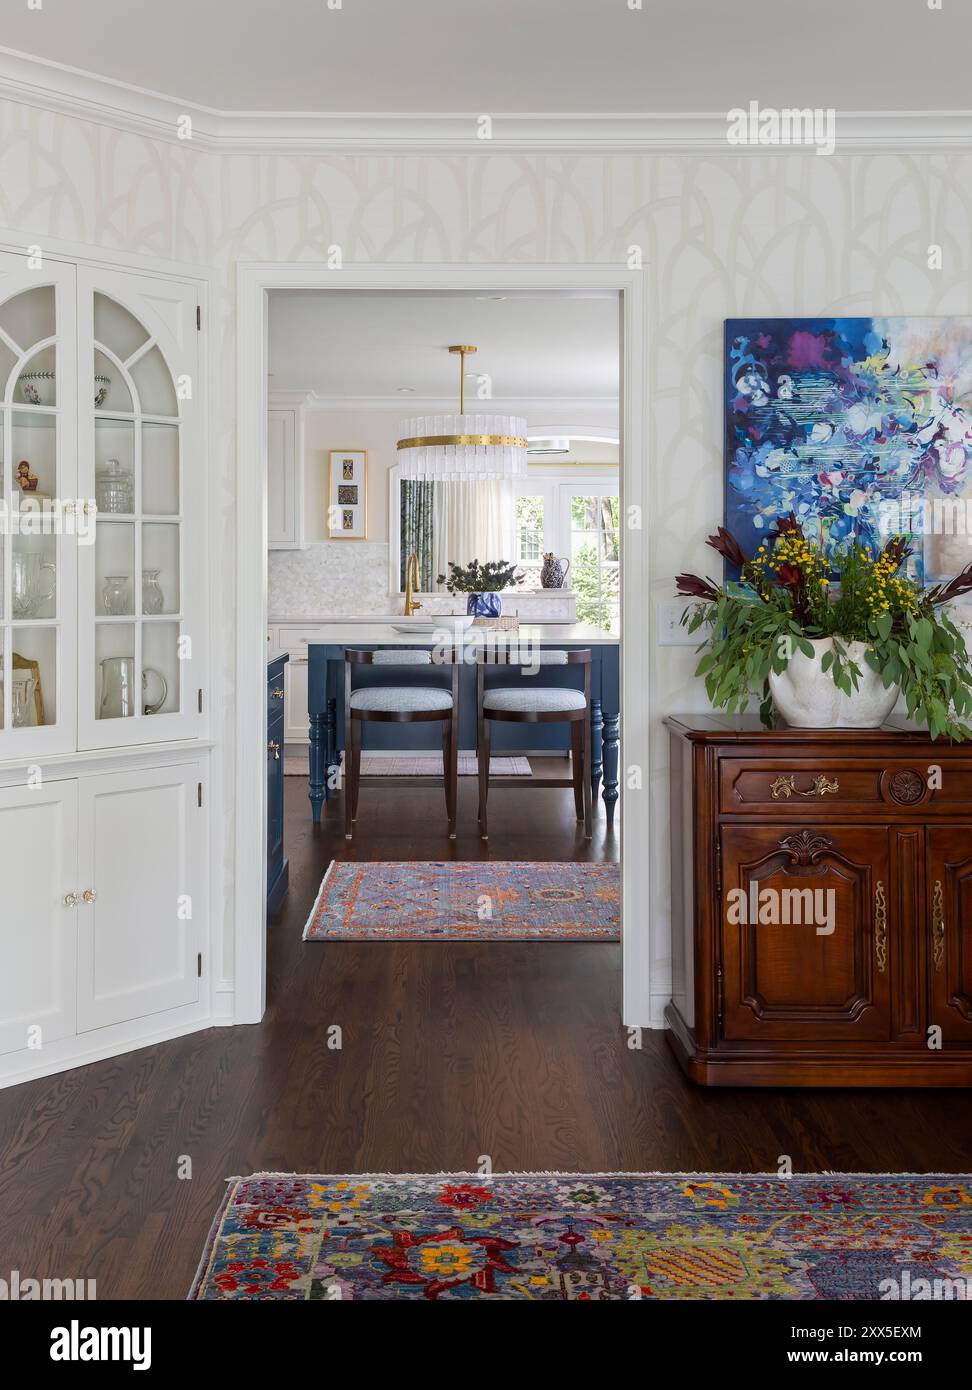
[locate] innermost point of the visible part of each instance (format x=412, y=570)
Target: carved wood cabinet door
x=949, y=897
x=805, y=933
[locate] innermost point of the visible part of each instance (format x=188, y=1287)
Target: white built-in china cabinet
x=103, y=760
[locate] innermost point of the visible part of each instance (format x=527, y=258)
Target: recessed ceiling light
x=405, y=390
x=484, y=298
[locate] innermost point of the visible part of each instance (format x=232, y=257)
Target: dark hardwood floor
x=450, y=1051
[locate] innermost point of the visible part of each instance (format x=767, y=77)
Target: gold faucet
x=411, y=602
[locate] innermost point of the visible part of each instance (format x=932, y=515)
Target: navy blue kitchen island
x=326, y=700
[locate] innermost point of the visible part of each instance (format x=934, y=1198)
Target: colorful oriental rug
x=464, y=901
x=555, y=1237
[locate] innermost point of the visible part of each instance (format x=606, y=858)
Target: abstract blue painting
x=858, y=425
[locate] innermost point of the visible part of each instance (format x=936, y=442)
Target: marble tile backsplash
x=331, y=579
x=349, y=579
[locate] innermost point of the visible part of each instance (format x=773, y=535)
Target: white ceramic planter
x=807, y=698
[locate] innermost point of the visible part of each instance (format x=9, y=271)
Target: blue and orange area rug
x=556, y=1237
x=467, y=901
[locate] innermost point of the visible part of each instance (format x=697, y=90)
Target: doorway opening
x=585, y=506
x=444, y=616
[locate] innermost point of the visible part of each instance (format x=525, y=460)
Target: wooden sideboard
x=876, y=988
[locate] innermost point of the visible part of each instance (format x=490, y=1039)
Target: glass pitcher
x=23, y=701
x=118, y=688
x=29, y=589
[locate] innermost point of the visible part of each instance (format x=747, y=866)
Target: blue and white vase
x=484, y=605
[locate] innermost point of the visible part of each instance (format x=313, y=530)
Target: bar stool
x=528, y=704
x=399, y=704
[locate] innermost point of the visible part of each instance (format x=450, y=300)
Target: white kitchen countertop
x=350, y=630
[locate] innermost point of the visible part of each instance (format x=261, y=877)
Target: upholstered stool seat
x=526, y=699
x=392, y=699
x=527, y=703
x=401, y=704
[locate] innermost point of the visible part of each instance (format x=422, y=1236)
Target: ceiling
x=525, y=56
x=353, y=345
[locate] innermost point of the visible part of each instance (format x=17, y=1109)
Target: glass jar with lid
x=114, y=488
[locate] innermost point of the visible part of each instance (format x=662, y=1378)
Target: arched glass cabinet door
x=141, y=582
x=38, y=451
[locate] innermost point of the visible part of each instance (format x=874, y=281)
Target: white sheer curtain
x=472, y=520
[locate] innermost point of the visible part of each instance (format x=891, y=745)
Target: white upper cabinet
x=102, y=546
x=285, y=478
x=141, y=638
x=38, y=458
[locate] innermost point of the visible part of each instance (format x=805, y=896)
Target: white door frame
x=254, y=280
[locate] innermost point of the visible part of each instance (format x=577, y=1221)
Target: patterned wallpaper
x=721, y=236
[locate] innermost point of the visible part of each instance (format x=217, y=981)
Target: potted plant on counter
x=829, y=637
x=482, y=582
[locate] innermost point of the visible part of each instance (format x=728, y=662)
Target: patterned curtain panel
x=416, y=530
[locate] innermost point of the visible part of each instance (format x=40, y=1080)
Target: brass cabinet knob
x=71, y=899
x=89, y=895
x=277, y=693
x=274, y=748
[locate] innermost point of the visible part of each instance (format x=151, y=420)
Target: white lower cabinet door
x=38, y=922
x=139, y=852
x=296, y=718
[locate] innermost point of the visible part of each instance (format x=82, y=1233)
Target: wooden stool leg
x=588, y=792
x=454, y=771
x=357, y=770
x=447, y=778
x=578, y=768
x=482, y=754
x=350, y=790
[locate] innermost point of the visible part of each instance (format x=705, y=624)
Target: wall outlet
x=671, y=633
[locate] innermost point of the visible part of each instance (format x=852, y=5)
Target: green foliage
x=596, y=592
x=787, y=597
x=476, y=578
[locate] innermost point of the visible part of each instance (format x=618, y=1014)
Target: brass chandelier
x=456, y=447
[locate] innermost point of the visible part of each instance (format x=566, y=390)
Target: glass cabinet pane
x=153, y=382
x=160, y=568
x=115, y=467
x=111, y=389
x=160, y=470
x=115, y=569
x=37, y=382
x=8, y=360
x=33, y=678
x=29, y=318
x=115, y=696
x=161, y=667
x=34, y=454
x=33, y=577
x=117, y=329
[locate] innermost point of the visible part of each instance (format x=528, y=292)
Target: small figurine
x=26, y=479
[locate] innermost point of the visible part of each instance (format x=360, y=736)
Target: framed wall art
x=857, y=425
x=347, y=494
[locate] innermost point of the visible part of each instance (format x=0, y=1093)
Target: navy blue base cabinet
x=277, y=870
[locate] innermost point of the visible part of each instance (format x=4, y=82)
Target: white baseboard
x=98, y=1045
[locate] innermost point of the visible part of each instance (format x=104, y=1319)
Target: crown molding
x=407, y=405
x=74, y=92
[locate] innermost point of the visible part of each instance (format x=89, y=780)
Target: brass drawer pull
x=274, y=747
x=938, y=925
x=786, y=787
x=880, y=928
x=277, y=693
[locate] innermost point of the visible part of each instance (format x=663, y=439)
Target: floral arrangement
x=476, y=578
x=794, y=590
